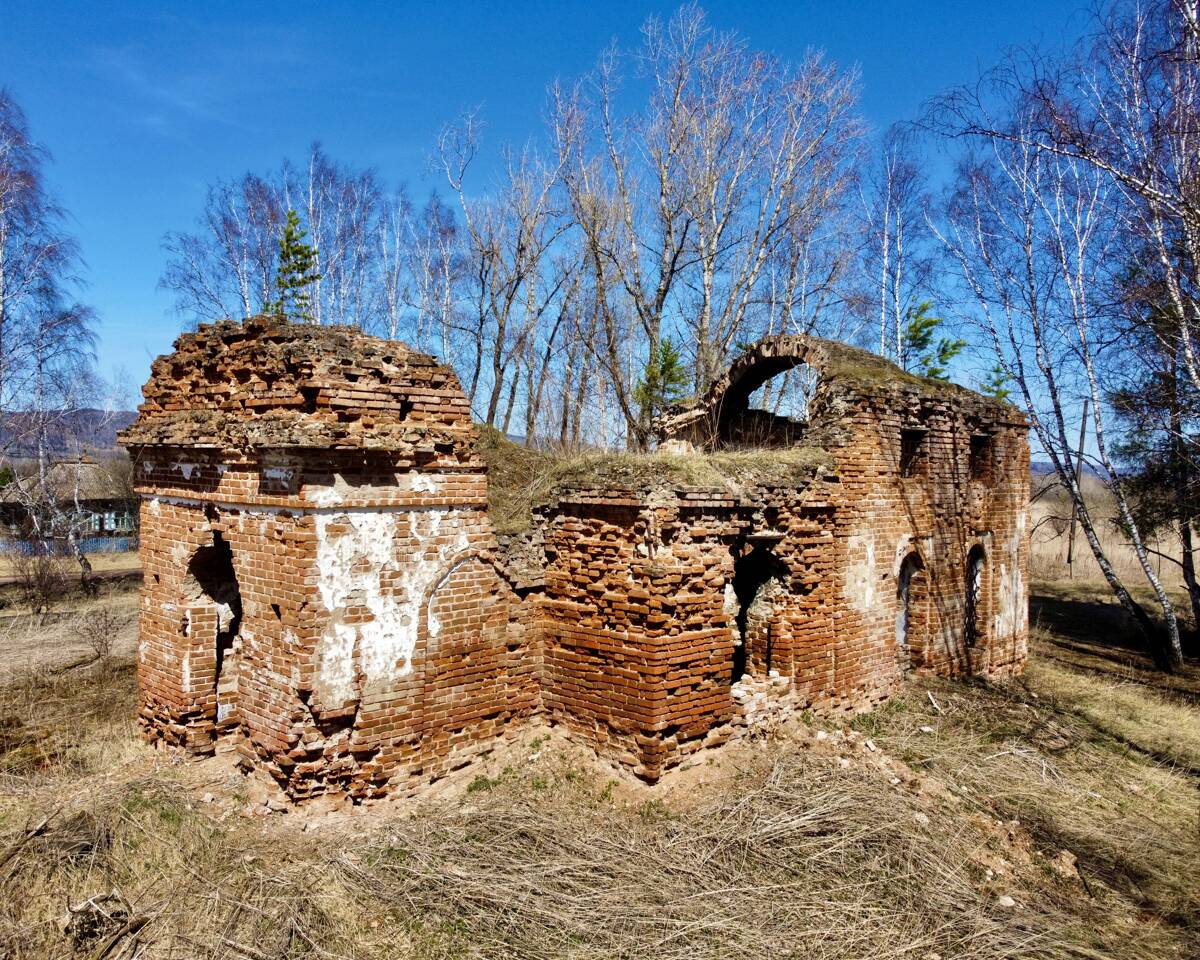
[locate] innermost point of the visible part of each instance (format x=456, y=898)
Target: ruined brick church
x=325, y=591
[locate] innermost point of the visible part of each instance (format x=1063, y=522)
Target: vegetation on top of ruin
x=520, y=478
x=843, y=363
x=719, y=469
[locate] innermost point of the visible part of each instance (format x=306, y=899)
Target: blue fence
x=90, y=545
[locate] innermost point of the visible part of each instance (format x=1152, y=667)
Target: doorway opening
x=211, y=575
x=911, y=611
x=758, y=577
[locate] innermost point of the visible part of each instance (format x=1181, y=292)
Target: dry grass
x=101, y=563
x=790, y=849
x=1067, y=776
x=519, y=478
x=79, y=630
x=1050, y=516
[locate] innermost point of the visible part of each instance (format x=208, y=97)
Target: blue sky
x=143, y=105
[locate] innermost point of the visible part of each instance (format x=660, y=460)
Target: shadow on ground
x=1090, y=632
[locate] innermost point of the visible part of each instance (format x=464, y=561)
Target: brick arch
x=766, y=359
x=914, y=612
x=711, y=420
x=728, y=399
x=469, y=653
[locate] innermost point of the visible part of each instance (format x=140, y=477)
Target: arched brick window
x=973, y=621
x=912, y=611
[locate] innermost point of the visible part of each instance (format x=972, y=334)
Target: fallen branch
x=36, y=830
x=244, y=950
x=129, y=928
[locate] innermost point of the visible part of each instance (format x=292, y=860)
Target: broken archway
x=759, y=578
x=214, y=616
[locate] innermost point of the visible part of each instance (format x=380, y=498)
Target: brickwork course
x=325, y=592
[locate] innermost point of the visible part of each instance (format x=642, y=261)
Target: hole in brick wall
x=758, y=577
x=912, y=611
x=211, y=578
x=912, y=451
x=276, y=611
x=972, y=628
x=981, y=456
x=768, y=407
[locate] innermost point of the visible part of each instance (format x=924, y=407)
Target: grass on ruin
x=520, y=478
x=789, y=852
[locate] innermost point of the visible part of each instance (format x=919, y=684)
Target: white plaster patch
x=187, y=469
x=331, y=495
x=435, y=625
x=224, y=617
x=328, y=496
x=351, y=568
x=279, y=474
x=862, y=577
x=185, y=673
x=731, y=607
x=336, y=651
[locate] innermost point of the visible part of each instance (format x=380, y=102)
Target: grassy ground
x=101, y=563
x=1052, y=817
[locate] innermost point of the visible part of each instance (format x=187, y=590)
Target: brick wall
x=324, y=592
x=378, y=644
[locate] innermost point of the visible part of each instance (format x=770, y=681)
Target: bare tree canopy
x=46, y=339
x=715, y=212
x=1072, y=229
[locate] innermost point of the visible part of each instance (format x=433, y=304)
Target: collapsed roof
x=845, y=374
x=268, y=384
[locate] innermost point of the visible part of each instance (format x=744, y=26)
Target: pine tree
x=996, y=385
x=663, y=380
x=296, y=273
x=922, y=350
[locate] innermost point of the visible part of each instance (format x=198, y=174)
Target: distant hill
x=77, y=431
x=1043, y=468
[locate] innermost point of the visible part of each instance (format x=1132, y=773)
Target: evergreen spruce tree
x=996, y=384
x=296, y=273
x=922, y=350
x=663, y=380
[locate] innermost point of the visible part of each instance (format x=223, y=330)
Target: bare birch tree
x=45, y=338
x=37, y=258
x=508, y=235
x=1123, y=106
x=225, y=269
x=688, y=205
x=1027, y=231
x=342, y=207
x=897, y=255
